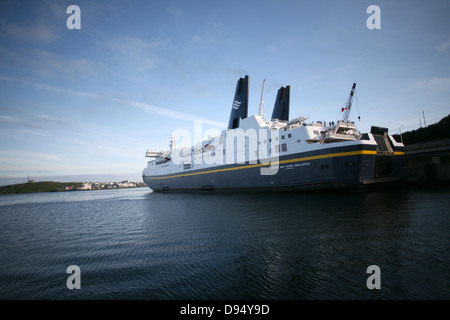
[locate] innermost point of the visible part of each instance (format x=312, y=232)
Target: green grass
x=44, y=186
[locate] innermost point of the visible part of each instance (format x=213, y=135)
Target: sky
x=92, y=101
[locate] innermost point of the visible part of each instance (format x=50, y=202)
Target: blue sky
x=93, y=100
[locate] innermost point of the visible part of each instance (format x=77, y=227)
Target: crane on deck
x=348, y=105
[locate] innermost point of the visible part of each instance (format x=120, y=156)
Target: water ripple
x=135, y=244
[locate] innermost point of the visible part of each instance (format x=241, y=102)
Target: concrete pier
x=427, y=161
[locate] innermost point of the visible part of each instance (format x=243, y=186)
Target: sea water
x=137, y=244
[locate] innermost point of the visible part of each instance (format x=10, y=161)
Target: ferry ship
x=280, y=154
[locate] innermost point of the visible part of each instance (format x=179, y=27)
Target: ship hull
x=354, y=167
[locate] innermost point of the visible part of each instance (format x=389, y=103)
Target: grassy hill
x=44, y=186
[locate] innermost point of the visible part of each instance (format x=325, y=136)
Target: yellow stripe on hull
x=324, y=156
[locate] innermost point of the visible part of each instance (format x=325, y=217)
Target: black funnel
x=239, y=108
x=281, y=107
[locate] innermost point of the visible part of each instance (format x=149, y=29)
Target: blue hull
x=352, y=166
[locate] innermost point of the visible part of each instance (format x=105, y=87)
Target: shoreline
x=54, y=186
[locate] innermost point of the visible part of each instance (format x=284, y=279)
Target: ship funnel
x=281, y=107
x=239, y=108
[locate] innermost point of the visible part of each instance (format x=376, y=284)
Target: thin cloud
x=144, y=106
x=30, y=155
x=21, y=118
x=34, y=32
x=443, y=47
x=136, y=53
x=43, y=62
x=175, y=11
x=271, y=48
x=17, y=122
x=58, y=64
x=432, y=86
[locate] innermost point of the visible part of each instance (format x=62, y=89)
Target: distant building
x=126, y=184
x=86, y=186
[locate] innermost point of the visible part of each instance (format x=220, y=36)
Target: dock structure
x=427, y=161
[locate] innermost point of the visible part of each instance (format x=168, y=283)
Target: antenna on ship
x=172, y=143
x=357, y=105
x=261, y=104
